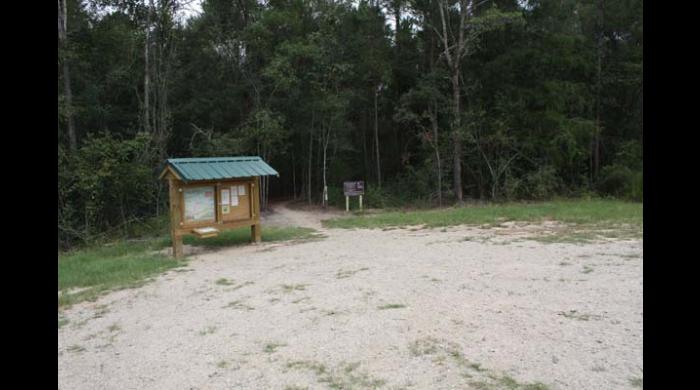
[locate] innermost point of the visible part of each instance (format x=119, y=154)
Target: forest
x=431, y=103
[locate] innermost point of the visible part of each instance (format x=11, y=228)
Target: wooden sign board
x=354, y=188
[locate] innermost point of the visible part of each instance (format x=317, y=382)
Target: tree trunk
x=325, y=184
x=453, y=56
x=67, y=93
x=397, y=20
x=376, y=140
x=364, y=144
x=311, y=153
x=434, y=124
x=599, y=71
x=147, y=72
x=456, y=139
x=294, y=176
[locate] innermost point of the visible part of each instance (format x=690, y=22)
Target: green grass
x=62, y=322
x=207, y=330
x=572, y=314
x=106, y=267
x=224, y=282
x=345, y=376
x=342, y=274
x=242, y=236
x=272, y=347
x=391, y=306
x=637, y=382
x=288, y=288
x=594, y=212
x=444, y=351
x=75, y=348
x=95, y=270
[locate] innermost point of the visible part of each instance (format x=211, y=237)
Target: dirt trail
x=283, y=215
x=406, y=308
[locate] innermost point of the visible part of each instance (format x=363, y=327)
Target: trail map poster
x=199, y=204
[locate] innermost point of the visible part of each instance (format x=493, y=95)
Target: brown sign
x=354, y=188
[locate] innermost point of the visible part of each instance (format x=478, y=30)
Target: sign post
x=353, y=188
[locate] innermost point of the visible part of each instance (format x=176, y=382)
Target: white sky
x=194, y=8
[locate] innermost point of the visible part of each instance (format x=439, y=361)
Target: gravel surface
x=460, y=307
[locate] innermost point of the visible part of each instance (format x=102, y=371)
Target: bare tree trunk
x=376, y=139
x=68, y=94
x=325, y=184
x=294, y=176
x=397, y=20
x=599, y=71
x=364, y=143
x=311, y=150
x=456, y=139
x=434, y=124
x=147, y=71
x=453, y=55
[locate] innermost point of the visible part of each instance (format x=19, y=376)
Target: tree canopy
x=428, y=101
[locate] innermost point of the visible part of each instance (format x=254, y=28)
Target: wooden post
x=347, y=203
x=360, y=202
x=255, y=233
x=175, y=218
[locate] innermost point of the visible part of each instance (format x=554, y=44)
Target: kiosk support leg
x=177, y=246
x=360, y=202
x=255, y=234
x=347, y=204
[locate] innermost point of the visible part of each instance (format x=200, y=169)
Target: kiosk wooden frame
x=224, y=176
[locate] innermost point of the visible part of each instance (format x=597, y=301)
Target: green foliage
x=107, y=183
x=624, y=178
x=287, y=79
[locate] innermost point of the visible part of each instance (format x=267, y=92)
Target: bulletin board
x=234, y=199
x=199, y=204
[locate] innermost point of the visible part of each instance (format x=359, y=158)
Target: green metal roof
x=217, y=168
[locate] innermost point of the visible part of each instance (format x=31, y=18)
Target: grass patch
x=114, y=328
x=342, y=274
x=391, y=306
x=86, y=273
x=272, y=347
x=288, y=288
x=637, y=382
x=568, y=211
x=62, y=321
x=75, y=348
x=444, y=351
x=207, y=330
x=345, y=376
x=572, y=314
x=93, y=271
x=587, y=269
x=237, y=304
x=424, y=346
x=224, y=282
x=241, y=236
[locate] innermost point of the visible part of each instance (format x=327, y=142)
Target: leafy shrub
x=540, y=184
x=108, y=183
x=621, y=181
